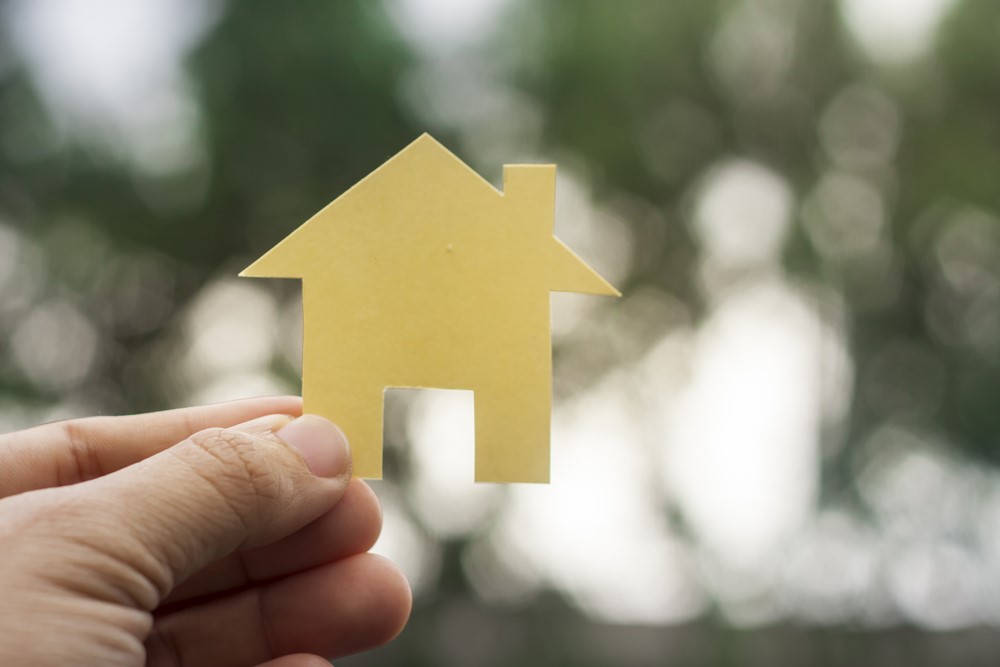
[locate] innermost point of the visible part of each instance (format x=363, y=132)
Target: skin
x=224, y=535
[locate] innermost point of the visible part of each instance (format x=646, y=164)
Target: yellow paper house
x=425, y=275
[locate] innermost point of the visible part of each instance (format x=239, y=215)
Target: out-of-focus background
x=779, y=447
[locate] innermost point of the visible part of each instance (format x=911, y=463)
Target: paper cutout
x=425, y=275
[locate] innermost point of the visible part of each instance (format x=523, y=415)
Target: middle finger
x=350, y=528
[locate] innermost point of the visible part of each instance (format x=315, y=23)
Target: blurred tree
x=653, y=95
x=295, y=107
x=896, y=220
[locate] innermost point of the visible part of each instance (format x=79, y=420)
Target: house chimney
x=531, y=190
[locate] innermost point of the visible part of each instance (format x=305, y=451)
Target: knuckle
x=238, y=467
x=83, y=462
x=65, y=532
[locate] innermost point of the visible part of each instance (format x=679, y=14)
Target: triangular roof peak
x=430, y=156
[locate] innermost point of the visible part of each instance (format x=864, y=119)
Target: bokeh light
x=778, y=447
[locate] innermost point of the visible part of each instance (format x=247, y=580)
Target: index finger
x=75, y=450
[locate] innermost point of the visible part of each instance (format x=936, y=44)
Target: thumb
x=172, y=514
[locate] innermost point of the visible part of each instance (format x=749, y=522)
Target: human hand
x=120, y=547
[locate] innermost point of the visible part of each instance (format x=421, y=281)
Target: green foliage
x=893, y=170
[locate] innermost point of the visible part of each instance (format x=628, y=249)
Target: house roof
x=426, y=166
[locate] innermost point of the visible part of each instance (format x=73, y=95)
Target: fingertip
x=283, y=404
x=366, y=510
x=383, y=596
x=353, y=605
x=397, y=587
x=321, y=443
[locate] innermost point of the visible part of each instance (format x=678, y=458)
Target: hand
x=221, y=535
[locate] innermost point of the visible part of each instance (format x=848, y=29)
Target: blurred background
x=781, y=446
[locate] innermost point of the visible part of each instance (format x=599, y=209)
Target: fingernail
x=321, y=443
